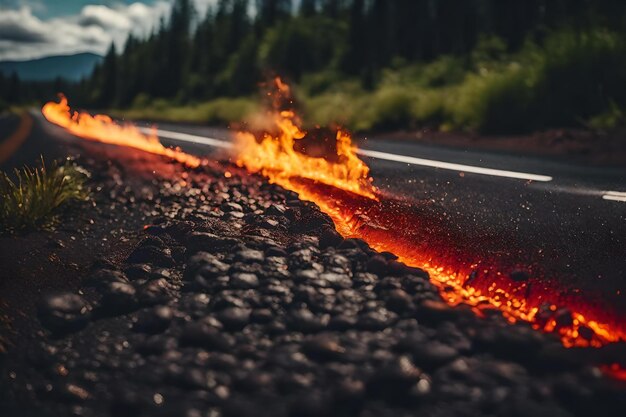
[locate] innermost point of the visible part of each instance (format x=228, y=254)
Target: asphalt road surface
x=573, y=217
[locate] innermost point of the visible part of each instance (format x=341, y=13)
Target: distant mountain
x=69, y=67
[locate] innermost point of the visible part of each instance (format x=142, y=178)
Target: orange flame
x=276, y=157
x=365, y=213
x=102, y=128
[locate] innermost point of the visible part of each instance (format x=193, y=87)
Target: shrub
x=494, y=102
x=31, y=199
x=579, y=76
x=390, y=108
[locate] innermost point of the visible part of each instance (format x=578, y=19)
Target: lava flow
x=481, y=277
x=102, y=128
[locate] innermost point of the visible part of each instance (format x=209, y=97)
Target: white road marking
x=185, y=137
x=454, y=167
x=614, y=196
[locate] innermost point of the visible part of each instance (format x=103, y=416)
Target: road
x=572, y=218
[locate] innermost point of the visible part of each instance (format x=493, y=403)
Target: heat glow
x=102, y=128
x=275, y=156
x=344, y=190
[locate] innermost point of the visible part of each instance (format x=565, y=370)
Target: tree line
x=227, y=51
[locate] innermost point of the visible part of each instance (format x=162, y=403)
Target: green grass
x=31, y=199
x=221, y=111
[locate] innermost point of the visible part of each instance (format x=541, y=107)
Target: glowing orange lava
x=102, y=128
x=481, y=279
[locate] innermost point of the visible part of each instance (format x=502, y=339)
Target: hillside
x=69, y=67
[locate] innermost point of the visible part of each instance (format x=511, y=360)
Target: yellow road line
x=15, y=140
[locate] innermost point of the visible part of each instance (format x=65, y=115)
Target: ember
x=102, y=128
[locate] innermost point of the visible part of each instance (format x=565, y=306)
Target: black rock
x=65, y=312
x=311, y=403
x=118, y=299
x=244, y=281
x=190, y=378
x=305, y=321
x=305, y=275
x=323, y=348
x=153, y=255
x=201, y=334
x=206, y=265
x=435, y=311
x=250, y=256
x=353, y=243
x=342, y=322
x=375, y=320
x=377, y=265
x=433, y=354
x=153, y=292
x=261, y=315
x=102, y=278
x=234, y=215
x=394, y=379
x=156, y=345
x=138, y=271
x=337, y=281
x=330, y=238
x=276, y=210
x=234, y=318
x=230, y=206
x=389, y=256
x=398, y=301
x=267, y=223
x=154, y=321
x=208, y=242
x=274, y=251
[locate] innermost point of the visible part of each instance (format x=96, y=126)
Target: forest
x=482, y=65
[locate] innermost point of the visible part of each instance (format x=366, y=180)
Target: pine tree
x=308, y=8
x=271, y=11
x=109, y=78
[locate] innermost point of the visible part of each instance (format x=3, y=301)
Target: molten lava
x=464, y=273
x=102, y=128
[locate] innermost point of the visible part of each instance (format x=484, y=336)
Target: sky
x=37, y=28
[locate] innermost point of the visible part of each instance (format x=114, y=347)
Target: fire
x=344, y=191
x=102, y=128
x=275, y=156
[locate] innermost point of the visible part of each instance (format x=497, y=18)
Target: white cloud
x=25, y=36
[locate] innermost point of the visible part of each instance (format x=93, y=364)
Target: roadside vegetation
x=220, y=111
x=571, y=79
x=31, y=197
x=492, y=66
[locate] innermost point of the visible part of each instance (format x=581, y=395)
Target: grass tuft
x=31, y=198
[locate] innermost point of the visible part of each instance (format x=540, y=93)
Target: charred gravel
x=238, y=299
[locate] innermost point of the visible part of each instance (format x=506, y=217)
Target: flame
x=102, y=128
x=344, y=191
x=275, y=156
